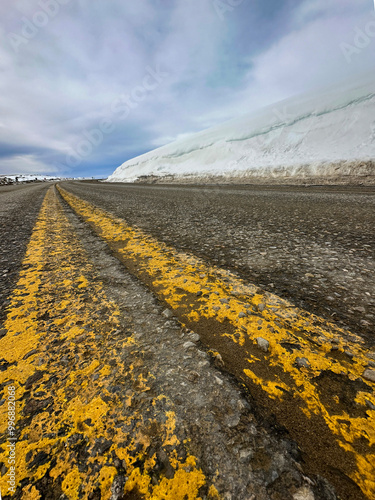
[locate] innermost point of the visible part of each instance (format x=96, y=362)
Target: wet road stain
x=313, y=376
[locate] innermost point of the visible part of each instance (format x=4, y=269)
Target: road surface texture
x=314, y=246
x=19, y=207
x=157, y=350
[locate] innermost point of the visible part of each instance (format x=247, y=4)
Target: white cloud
x=307, y=57
x=25, y=164
x=66, y=77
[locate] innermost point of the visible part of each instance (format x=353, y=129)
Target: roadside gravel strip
x=114, y=400
x=316, y=378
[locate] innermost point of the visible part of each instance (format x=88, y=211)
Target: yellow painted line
x=64, y=355
x=332, y=391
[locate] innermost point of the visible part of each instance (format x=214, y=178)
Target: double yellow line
x=312, y=375
x=63, y=357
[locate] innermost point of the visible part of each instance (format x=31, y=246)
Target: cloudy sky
x=89, y=84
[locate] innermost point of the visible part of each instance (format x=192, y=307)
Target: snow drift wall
x=328, y=136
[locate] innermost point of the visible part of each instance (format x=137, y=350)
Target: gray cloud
x=69, y=65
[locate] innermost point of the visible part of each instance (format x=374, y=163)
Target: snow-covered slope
x=19, y=178
x=325, y=135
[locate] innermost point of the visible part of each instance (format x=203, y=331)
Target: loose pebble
x=188, y=345
x=302, y=362
x=263, y=344
x=304, y=493
x=167, y=313
x=369, y=375
x=194, y=337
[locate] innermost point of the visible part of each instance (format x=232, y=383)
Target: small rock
x=224, y=301
x=261, y=307
x=199, y=293
x=193, y=376
x=371, y=364
x=302, y=362
x=364, y=322
x=369, y=375
x=242, y=315
x=304, y=493
x=194, y=337
x=263, y=344
x=245, y=454
x=202, y=354
x=361, y=310
x=218, y=380
x=218, y=360
x=167, y=313
x=188, y=345
x=370, y=405
x=233, y=421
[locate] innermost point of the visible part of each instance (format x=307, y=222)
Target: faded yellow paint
x=30, y=493
x=106, y=477
x=213, y=494
x=71, y=483
x=251, y=313
x=185, y=484
x=63, y=387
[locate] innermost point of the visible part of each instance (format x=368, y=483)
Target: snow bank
x=20, y=178
x=328, y=135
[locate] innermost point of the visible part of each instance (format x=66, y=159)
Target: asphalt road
x=113, y=398
x=313, y=246
x=19, y=207
x=87, y=335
